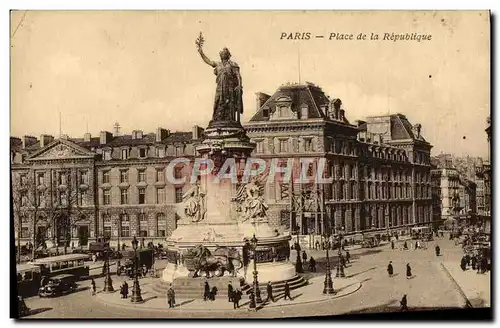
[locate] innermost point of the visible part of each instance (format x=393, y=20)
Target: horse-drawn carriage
x=201, y=262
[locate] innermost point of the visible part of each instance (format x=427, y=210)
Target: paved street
x=431, y=287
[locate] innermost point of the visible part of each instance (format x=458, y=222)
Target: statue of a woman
x=228, y=104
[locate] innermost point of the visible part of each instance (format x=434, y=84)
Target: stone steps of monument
x=195, y=289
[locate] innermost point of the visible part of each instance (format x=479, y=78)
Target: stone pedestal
x=222, y=225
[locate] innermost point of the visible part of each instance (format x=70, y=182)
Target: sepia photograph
x=177, y=164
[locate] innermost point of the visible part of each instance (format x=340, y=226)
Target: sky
x=141, y=68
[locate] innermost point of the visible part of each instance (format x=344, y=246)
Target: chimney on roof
x=28, y=140
x=136, y=134
x=197, y=132
x=45, y=139
x=86, y=137
x=161, y=134
x=105, y=137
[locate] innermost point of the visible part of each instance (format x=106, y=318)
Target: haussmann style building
x=115, y=185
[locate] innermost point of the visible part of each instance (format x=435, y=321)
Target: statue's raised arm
x=199, y=44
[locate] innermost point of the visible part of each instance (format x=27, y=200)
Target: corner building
x=380, y=167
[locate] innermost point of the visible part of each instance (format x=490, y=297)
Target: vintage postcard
x=250, y=164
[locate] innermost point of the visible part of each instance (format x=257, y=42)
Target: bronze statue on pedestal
x=228, y=104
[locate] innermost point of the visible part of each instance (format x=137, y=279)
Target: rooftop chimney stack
x=45, y=140
x=105, y=137
x=197, y=132
x=161, y=134
x=86, y=137
x=28, y=140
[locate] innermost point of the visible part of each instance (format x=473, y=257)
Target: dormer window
x=160, y=152
x=107, y=155
x=283, y=109
x=304, y=112
x=124, y=153
x=179, y=150
x=265, y=112
x=142, y=152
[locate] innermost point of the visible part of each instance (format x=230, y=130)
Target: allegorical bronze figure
x=228, y=104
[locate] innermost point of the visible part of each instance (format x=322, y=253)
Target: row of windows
x=63, y=198
x=141, y=175
x=143, y=152
x=63, y=178
x=283, y=145
x=123, y=225
x=124, y=196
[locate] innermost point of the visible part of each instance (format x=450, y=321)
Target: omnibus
x=70, y=264
x=28, y=279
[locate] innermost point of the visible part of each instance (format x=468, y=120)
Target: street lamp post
x=340, y=267
x=108, y=283
x=298, y=262
x=328, y=285
x=256, y=288
x=136, y=290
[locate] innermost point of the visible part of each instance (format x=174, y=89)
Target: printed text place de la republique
x=334, y=36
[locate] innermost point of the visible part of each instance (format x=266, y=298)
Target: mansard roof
x=300, y=94
x=402, y=129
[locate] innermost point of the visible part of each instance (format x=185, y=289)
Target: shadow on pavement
x=358, y=273
x=184, y=303
x=36, y=311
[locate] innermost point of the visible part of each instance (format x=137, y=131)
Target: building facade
x=118, y=182
x=380, y=169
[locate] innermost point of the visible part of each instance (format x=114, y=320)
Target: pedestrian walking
x=92, y=287
x=206, y=291
x=171, y=297
x=287, y=291
x=125, y=289
x=404, y=303
x=408, y=271
x=236, y=298
x=348, y=257
x=230, y=292
x=438, y=250
x=316, y=245
x=390, y=269
x=405, y=246
x=474, y=262
x=304, y=256
x=269, y=289
x=312, y=264
x=144, y=270
x=416, y=245
x=213, y=293
x=392, y=244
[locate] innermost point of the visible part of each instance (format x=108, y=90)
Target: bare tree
x=28, y=203
x=58, y=205
x=67, y=207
